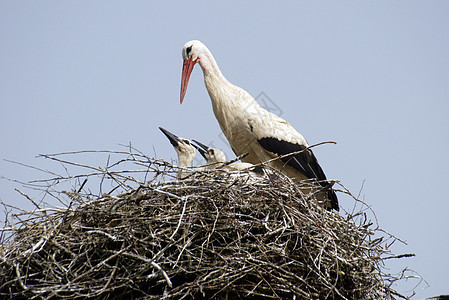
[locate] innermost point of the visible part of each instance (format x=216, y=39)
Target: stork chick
x=215, y=158
x=185, y=150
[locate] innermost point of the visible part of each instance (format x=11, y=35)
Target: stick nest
x=211, y=235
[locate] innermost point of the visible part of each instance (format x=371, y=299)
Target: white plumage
x=251, y=129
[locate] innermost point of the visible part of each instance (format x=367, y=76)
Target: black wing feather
x=305, y=162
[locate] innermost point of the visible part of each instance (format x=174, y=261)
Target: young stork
x=215, y=158
x=185, y=150
x=251, y=129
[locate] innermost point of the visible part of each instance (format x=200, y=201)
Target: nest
x=213, y=235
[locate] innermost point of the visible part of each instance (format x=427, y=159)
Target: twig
x=180, y=218
x=154, y=264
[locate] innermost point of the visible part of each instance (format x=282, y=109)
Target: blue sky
x=371, y=75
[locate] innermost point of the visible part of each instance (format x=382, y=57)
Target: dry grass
x=212, y=235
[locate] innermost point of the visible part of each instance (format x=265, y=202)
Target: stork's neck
x=184, y=161
x=209, y=65
x=224, y=95
x=229, y=102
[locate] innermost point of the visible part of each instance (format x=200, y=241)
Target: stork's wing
x=304, y=161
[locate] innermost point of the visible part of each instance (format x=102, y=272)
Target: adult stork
x=251, y=129
x=185, y=150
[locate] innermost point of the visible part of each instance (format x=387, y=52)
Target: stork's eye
x=212, y=151
x=189, y=49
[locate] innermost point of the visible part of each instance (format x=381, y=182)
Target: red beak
x=187, y=68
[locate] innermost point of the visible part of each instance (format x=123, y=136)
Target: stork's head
x=184, y=148
x=192, y=53
x=211, y=155
x=216, y=155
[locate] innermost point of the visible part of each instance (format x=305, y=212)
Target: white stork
x=251, y=129
x=215, y=158
x=185, y=150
